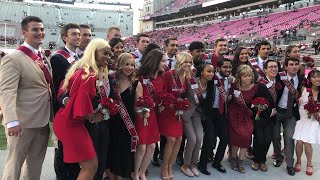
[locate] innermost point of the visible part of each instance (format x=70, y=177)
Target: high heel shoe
x=164, y=177
x=309, y=173
x=297, y=167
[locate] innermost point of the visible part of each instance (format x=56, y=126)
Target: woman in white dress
x=307, y=129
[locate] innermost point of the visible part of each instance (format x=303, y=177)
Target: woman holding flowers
x=240, y=114
x=83, y=82
x=151, y=77
x=307, y=129
x=123, y=135
x=170, y=121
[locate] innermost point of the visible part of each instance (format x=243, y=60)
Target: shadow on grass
x=3, y=139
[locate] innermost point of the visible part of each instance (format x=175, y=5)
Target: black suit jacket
x=295, y=110
x=264, y=92
x=60, y=67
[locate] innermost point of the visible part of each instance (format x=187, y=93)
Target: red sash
x=241, y=100
x=254, y=64
x=271, y=89
x=194, y=86
x=148, y=84
x=284, y=78
x=176, y=81
x=127, y=121
x=221, y=89
x=104, y=89
x=134, y=55
x=214, y=60
x=66, y=55
x=40, y=63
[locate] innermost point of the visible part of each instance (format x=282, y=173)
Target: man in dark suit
x=216, y=124
x=61, y=62
x=287, y=112
x=263, y=129
x=85, y=33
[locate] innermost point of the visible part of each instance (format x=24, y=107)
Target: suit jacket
x=60, y=67
x=295, y=110
x=264, y=92
x=24, y=92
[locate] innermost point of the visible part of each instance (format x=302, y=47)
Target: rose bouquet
x=312, y=108
x=261, y=104
x=108, y=107
x=164, y=100
x=180, y=105
x=144, y=104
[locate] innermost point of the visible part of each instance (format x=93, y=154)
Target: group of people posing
x=111, y=108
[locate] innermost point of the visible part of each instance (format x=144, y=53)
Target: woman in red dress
x=80, y=83
x=240, y=120
x=169, y=123
x=152, y=80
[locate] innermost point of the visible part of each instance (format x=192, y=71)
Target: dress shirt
x=261, y=62
x=284, y=98
x=173, y=62
x=72, y=54
x=137, y=60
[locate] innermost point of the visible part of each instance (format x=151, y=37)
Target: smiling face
x=246, y=79
x=186, y=65
x=243, y=57
x=208, y=72
x=103, y=56
x=129, y=67
x=295, y=52
x=221, y=47
x=118, y=49
x=72, y=38
x=315, y=79
x=271, y=69
x=34, y=34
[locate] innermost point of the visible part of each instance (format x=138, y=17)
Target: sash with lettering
x=40, y=63
x=222, y=93
x=238, y=95
x=271, y=88
x=127, y=121
x=66, y=55
x=195, y=87
x=104, y=88
x=284, y=78
x=148, y=84
x=310, y=98
x=176, y=82
x=254, y=64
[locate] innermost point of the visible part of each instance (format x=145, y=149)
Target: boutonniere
x=236, y=93
x=278, y=85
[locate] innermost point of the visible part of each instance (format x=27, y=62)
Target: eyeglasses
x=227, y=67
x=272, y=67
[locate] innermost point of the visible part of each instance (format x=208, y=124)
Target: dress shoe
x=195, y=171
x=255, y=166
x=204, y=170
x=179, y=161
x=263, y=167
x=187, y=171
x=156, y=162
x=249, y=155
x=291, y=171
x=219, y=167
x=277, y=163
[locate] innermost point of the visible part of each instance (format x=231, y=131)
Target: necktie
x=221, y=101
x=170, y=63
x=39, y=55
x=290, y=99
x=273, y=92
x=76, y=57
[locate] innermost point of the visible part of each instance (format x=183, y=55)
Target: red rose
x=278, y=85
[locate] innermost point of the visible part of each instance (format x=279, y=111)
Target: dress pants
x=214, y=126
x=288, y=122
x=263, y=131
x=99, y=134
x=27, y=152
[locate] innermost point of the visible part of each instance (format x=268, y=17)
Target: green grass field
x=3, y=139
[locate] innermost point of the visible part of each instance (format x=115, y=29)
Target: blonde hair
x=180, y=59
x=88, y=62
x=241, y=71
x=121, y=63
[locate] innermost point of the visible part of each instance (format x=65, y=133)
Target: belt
x=281, y=110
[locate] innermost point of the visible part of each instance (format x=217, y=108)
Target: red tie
x=170, y=63
x=39, y=55
x=290, y=98
x=221, y=102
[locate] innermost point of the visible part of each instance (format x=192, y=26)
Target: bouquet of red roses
x=180, y=105
x=144, y=104
x=108, y=107
x=164, y=99
x=313, y=108
x=261, y=104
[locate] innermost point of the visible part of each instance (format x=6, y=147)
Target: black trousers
x=159, y=150
x=99, y=134
x=64, y=171
x=263, y=132
x=182, y=146
x=214, y=126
